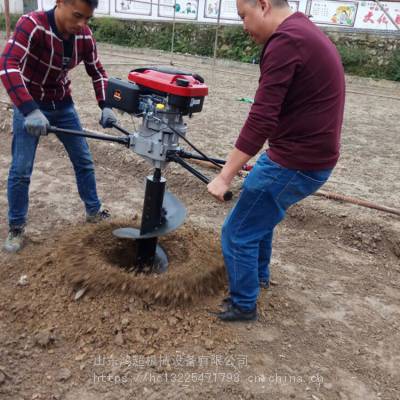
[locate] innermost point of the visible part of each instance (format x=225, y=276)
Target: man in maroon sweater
x=298, y=108
x=34, y=69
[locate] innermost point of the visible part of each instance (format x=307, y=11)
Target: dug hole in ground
x=328, y=329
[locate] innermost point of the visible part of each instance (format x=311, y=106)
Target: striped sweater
x=31, y=66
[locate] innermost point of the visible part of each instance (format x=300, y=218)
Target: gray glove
x=108, y=118
x=36, y=123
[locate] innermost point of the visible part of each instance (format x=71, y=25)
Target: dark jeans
x=23, y=155
x=268, y=191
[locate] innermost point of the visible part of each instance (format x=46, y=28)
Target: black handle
x=121, y=129
x=109, y=138
x=174, y=157
x=228, y=196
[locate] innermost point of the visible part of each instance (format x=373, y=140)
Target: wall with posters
x=353, y=15
x=364, y=15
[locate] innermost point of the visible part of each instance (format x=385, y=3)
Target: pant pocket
x=318, y=176
x=264, y=174
x=303, y=184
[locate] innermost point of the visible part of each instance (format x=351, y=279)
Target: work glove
x=36, y=123
x=108, y=118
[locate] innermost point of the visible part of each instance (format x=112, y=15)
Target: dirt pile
x=92, y=257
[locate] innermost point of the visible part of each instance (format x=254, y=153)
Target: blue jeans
x=268, y=191
x=23, y=155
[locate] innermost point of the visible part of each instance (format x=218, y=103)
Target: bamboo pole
x=173, y=36
x=328, y=195
x=7, y=18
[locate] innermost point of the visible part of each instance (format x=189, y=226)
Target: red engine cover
x=168, y=83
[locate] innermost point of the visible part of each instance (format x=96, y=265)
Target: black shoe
x=225, y=303
x=100, y=216
x=264, y=284
x=15, y=239
x=233, y=313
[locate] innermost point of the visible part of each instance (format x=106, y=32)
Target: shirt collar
x=52, y=21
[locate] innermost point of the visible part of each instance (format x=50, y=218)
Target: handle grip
x=228, y=196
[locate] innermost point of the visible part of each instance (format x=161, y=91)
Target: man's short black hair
x=92, y=3
x=274, y=3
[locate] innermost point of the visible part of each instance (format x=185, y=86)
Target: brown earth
x=328, y=327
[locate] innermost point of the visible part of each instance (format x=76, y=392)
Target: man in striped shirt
x=34, y=69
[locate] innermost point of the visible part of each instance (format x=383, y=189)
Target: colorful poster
x=342, y=13
x=228, y=9
x=140, y=7
x=184, y=9
x=371, y=16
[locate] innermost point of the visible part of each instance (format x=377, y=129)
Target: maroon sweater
x=299, y=103
x=31, y=66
